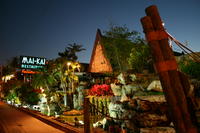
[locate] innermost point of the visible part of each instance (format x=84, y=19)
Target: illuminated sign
x=28, y=62
x=29, y=72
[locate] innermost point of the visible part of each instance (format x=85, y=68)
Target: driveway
x=15, y=121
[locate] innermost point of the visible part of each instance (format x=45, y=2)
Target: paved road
x=14, y=121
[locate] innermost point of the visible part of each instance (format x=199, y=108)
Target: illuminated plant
x=100, y=90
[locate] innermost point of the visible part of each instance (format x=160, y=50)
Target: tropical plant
x=118, y=42
x=65, y=68
x=9, y=88
x=64, y=72
x=70, y=52
x=140, y=58
x=45, y=80
x=190, y=67
x=60, y=65
x=27, y=95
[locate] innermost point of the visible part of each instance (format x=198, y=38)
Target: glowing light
x=42, y=90
x=69, y=63
x=28, y=72
x=8, y=77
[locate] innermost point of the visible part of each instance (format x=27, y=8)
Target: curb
x=64, y=127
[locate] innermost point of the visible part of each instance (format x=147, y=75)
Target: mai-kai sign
x=29, y=62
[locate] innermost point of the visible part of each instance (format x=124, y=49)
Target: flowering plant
x=100, y=90
x=38, y=91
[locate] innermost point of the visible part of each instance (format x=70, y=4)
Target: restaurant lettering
x=29, y=62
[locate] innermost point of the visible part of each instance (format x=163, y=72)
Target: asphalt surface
x=15, y=121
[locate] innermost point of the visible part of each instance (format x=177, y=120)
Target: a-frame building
x=99, y=62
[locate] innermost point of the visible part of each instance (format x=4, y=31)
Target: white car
x=36, y=107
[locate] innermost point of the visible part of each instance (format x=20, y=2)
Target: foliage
x=10, y=86
x=190, y=67
x=12, y=96
x=11, y=66
x=140, y=58
x=118, y=42
x=44, y=79
x=27, y=95
x=70, y=52
x=101, y=90
x=64, y=70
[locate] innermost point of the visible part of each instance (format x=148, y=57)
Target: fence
x=98, y=108
x=95, y=109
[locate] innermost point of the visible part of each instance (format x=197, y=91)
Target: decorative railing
x=95, y=109
x=99, y=107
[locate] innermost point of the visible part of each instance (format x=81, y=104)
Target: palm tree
x=65, y=68
x=70, y=52
x=60, y=67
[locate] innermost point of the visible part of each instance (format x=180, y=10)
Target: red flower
x=101, y=90
x=37, y=91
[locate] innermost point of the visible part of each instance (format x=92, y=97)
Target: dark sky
x=44, y=27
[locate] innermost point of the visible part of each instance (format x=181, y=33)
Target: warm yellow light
x=78, y=65
x=8, y=77
x=42, y=90
x=68, y=63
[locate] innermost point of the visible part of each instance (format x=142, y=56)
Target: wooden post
x=86, y=115
x=166, y=66
x=152, y=11
x=189, y=96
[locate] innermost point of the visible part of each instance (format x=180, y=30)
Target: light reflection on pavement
x=14, y=121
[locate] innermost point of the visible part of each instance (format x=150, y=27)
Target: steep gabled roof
x=99, y=62
x=97, y=40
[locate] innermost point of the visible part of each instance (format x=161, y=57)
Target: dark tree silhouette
x=70, y=52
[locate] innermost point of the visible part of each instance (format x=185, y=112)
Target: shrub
x=191, y=68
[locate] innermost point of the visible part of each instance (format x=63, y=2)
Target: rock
x=144, y=106
x=149, y=114
x=131, y=89
x=132, y=77
x=97, y=124
x=124, y=95
x=152, y=98
x=100, y=123
x=158, y=130
x=43, y=108
x=115, y=109
x=121, y=78
x=75, y=101
x=120, y=110
x=128, y=91
x=155, y=86
x=136, y=113
x=153, y=107
x=151, y=120
x=116, y=89
x=133, y=105
x=80, y=97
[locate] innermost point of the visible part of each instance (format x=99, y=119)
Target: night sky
x=43, y=28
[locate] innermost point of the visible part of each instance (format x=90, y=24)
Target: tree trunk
x=65, y=97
